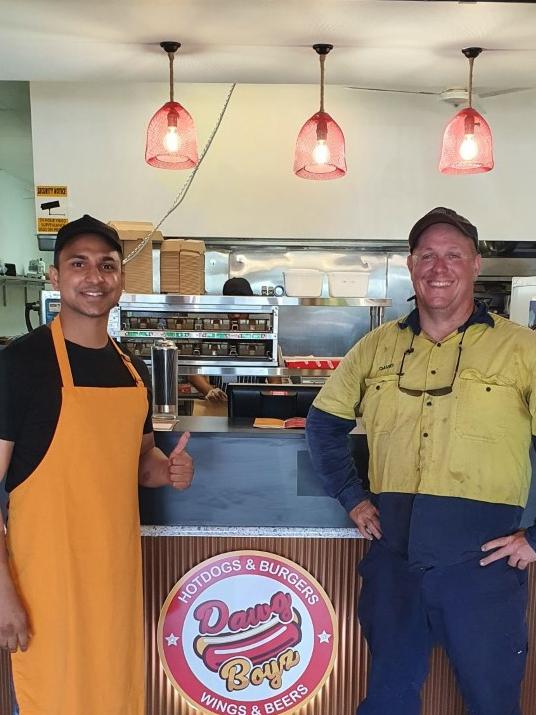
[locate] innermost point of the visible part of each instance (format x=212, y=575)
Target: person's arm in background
x=329, y=421
x=14, y=631
x=202, y=385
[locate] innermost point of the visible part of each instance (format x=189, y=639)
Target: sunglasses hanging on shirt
x=435, y=391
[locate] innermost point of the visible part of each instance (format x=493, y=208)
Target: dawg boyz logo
x=247, y=633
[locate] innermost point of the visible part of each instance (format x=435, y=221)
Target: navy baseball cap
x=442, y=215
x=86, y=224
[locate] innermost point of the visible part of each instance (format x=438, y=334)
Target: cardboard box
x=192, y=267
x=139, y=270
x=170, y=250
x=182, y=266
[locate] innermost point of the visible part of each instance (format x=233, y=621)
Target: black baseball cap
x=442, y=215
x=237, y=286
x=86, y=224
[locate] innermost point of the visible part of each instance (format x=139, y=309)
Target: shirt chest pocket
x=378, y=407
x=486, y=406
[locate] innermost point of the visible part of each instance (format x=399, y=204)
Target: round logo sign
x=247, y=633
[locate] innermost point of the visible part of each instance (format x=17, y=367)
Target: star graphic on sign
x=172, y=639
x=324, y=637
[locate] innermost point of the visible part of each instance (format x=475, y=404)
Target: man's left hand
x=180, y=465
x=516, y=547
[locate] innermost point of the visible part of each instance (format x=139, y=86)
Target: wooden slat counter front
x=255, y=489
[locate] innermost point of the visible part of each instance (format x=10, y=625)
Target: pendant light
x=467, y=142
x=320, y=144
x=171, y=140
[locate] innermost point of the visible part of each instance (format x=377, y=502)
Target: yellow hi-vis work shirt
x=472, y=443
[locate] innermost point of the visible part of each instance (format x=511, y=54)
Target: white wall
x=17, y=245
x=18, y=242
x=91, y=137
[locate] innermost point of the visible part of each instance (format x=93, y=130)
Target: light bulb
x=172, y=140
x=321, y=153
x=468, y=147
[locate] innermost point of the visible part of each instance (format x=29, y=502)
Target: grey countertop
x=211, y=425
x=224, y=425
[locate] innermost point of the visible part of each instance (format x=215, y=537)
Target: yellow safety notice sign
x=50, y=208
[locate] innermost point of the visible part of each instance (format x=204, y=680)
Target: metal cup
x=165, y=369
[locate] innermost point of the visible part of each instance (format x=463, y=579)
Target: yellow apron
x=74, y=546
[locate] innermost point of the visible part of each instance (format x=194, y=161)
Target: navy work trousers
x=476, y=613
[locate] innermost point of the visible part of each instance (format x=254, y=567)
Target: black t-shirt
x=30, y=393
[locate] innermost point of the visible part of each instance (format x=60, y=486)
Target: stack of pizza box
x=170, y=278
x=138, y=272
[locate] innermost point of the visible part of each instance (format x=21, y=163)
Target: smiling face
x=88, y=276
x=443, y=268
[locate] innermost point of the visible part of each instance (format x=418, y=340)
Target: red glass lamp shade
x=467, y=144
x=171, y=139
x=320, y=149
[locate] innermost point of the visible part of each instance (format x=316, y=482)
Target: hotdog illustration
x=257, y=644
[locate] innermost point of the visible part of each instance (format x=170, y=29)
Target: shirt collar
x=480, y=315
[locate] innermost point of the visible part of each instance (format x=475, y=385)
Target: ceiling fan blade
x=509, y=49
x=397, y=91
x=499, y=92
x=467, y=2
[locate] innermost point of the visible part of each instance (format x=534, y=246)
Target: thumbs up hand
x=180, y=465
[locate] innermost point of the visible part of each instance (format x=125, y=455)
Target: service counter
x=255, y=489
x=247, y=478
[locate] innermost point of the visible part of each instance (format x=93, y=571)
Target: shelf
x=11, y=280
x=138, y=301
x=24, y=281
x=195, y=335
x=253, y=371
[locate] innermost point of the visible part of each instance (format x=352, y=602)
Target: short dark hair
x=86, y=224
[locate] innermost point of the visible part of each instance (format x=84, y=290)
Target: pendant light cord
x=171, y=56
x=471, y=61
x=322, y=60
x=184, y=190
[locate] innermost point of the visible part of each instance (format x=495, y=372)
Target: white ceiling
x=404, y=45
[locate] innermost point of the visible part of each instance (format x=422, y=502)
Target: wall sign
x=247, y=633
x=50, y=208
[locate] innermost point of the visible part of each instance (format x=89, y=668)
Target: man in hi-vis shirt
x=447, y=396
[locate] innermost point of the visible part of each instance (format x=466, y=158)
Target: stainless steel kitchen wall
x=332, y=331
x=326, y=331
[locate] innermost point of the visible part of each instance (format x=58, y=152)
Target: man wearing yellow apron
x=75, y=439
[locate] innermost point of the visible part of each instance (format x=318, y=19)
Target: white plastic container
x=348, y=284
x=303, y=282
